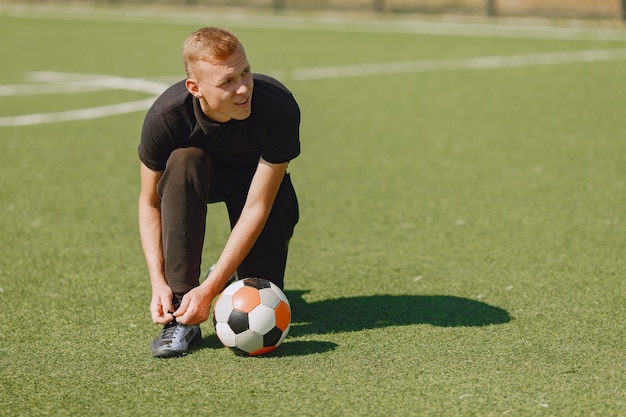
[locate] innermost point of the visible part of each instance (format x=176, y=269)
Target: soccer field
x=462, y=242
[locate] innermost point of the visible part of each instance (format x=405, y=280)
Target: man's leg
x=268, y=257
x=184, y=190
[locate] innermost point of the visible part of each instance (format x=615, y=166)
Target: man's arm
x=196, y=304
x=149, y=208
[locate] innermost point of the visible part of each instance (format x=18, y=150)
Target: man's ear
x=192, y=87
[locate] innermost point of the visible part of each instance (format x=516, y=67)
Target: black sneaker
x=175, y=339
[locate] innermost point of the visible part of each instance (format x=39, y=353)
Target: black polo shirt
x=176, y=120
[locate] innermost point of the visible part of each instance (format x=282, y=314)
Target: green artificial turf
x=460, y=251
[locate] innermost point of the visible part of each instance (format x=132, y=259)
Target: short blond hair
x=210, y=44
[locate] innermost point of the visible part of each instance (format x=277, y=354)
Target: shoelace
x=169, y=331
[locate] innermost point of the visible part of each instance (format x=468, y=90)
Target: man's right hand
x=161, y=306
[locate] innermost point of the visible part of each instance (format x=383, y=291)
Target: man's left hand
x=194, y=307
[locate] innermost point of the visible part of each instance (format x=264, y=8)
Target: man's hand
x=194, y=307
x=161, y=306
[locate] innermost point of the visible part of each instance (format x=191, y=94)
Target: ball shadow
x=370, y=312
x=288, y=348
x=301, y=348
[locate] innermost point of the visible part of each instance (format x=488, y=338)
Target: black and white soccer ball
x=252, y=316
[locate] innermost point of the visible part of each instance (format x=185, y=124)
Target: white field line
x=81, y=114
x=497, y=28
x=64, y=83
x=41, y=89
x=451, y=64
x=99, y=81
x=316, y=73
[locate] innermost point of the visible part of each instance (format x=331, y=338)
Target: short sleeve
x=149, y=150
x=283, y=136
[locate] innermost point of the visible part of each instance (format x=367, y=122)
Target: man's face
x=224, y=88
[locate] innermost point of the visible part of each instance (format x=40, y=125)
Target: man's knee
x=186, y=169
x=186, y=158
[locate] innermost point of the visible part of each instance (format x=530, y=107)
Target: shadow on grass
x=370, y=312
x=289, y=348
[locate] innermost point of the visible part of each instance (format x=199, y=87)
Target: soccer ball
x=252, y=316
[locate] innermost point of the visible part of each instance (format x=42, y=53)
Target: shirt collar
x=209, y=127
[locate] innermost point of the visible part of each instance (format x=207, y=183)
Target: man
x=208, y=139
